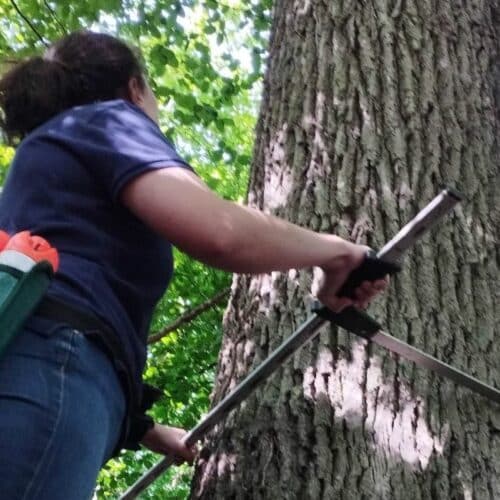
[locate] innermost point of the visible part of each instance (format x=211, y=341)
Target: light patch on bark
x=279, y=181
x=403, y=434
x=226, y=463
x=223, y=464
x=467, y=493
x=316, y=280
x=265, y=285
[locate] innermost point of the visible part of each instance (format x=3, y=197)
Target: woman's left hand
x=169, y=441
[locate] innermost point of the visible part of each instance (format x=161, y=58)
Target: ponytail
x=31, y=93
x=81, y=68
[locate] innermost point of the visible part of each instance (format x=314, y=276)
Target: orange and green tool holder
x=27, y=264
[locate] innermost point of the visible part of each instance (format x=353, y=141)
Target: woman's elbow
x=220, y=247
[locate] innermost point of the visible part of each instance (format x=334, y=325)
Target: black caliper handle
x=371, y=269
x=350, y=318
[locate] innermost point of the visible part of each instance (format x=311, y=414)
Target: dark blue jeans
x=61, y=412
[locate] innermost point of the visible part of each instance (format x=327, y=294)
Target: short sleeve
x=120, y=142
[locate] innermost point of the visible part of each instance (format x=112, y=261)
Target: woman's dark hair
x=81, y=68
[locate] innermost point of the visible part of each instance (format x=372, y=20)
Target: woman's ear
x=140, y=94
x=136, y=91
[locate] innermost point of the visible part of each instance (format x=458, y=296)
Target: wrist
x=343, y=254
x=150, y=433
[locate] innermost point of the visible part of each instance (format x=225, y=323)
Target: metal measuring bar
x=364, y=326
x=351, y=319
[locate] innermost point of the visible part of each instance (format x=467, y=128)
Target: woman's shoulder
x=115, y=108
x=105, y=116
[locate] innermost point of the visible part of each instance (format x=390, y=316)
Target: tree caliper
x=386, y=261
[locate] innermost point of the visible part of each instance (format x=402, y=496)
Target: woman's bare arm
x=177, y=204
x=223, y=234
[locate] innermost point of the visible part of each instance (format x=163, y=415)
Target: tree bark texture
x=369, y=107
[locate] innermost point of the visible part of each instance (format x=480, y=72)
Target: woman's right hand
x=335, y=274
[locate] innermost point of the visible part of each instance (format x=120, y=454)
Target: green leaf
x=162, y=56
x=186, y=101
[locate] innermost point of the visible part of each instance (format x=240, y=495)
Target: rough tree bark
x=369, y=106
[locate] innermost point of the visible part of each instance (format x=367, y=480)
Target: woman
x=94, y=175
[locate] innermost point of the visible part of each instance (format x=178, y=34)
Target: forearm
x=260, y=243
x=224, y=234
x=177, y=205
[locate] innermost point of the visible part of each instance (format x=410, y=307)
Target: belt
x=59, y=310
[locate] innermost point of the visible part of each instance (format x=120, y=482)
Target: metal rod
x=431, y=363
x=407, y=236
x=301, y=336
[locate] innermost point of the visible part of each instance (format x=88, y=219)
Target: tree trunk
x=369, y=107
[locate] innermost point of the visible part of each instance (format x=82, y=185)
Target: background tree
x=368, y=108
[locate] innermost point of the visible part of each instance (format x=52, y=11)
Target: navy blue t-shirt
x=64, y=185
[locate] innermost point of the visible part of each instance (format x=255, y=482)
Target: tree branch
x=28, y=22
x=54, y=15
x=188, y=316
